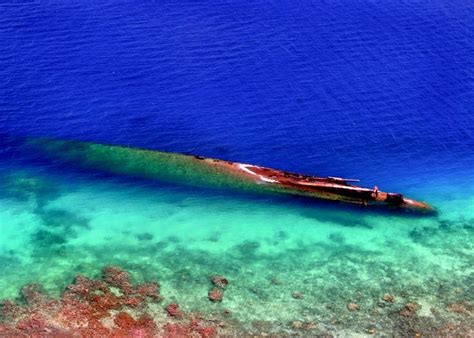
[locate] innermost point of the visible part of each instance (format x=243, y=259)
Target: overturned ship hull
x=208, y=172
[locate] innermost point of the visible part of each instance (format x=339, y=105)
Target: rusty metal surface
x=327, y=188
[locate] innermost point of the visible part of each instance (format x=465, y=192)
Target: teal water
x=57, y=223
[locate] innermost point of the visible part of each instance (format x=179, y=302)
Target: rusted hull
x=326, y=188
x=200, y=171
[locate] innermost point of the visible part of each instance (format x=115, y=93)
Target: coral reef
x=108, y=307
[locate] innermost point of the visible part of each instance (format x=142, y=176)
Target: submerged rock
x=220, y=281
x=173, y=310
x=388, y=298
x=215, y=295
x=352, y=307
x=409, y=309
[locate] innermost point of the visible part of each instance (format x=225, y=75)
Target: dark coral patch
x=248, y=248
x=46, y=238
x=23, y=186
x=60, y=218
x=144, y=236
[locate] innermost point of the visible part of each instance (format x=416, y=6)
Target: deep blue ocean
x=350, y=88
x=382, y=91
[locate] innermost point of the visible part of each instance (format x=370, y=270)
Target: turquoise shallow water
x=60, y=222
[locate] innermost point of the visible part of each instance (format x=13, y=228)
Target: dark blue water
x=382, y=91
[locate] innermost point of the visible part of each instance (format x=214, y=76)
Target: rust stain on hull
x=327, y=188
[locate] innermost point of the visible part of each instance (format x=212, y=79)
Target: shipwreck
x=208, y=172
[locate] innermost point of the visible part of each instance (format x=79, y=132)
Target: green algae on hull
x=143, y=163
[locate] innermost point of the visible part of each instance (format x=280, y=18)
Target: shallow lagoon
x=287, y=259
